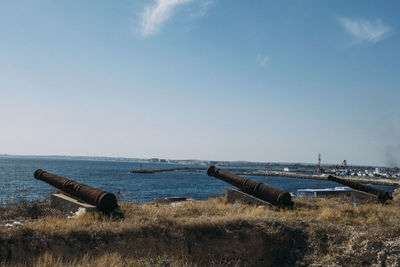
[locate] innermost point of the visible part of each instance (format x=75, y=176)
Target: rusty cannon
x=381, y=195
x=259, y=190
x=104, y=201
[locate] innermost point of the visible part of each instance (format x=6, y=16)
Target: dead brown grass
x=218, y=212
x=210, y=233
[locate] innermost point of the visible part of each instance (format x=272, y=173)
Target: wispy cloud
x=262, y=59
x=201, y=8
x=364, y=30
x=155, y=15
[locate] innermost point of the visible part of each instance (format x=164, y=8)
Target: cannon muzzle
x=272, y=195
x=381, y=195
x=104, y=201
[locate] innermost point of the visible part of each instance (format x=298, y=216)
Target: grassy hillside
x=205, y=233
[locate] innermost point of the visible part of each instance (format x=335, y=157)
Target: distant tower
x=319, y=161
x=319, y=169
x=344, y=165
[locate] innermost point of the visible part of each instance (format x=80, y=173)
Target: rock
x=396, y=195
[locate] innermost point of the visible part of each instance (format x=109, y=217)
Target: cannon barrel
x=272, y=195
x=380, y=194
x=104, y=201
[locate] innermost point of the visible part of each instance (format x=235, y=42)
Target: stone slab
x=66, y=203
x=396, y=195
x=236, y=196
x=360, y=195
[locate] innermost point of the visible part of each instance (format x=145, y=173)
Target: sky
x=268, y=81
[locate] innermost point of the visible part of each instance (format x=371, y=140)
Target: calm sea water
x=17, y=181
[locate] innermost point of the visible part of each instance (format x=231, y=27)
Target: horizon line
x=201, y=160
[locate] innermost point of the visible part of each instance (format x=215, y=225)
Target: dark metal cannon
x=104, y=201
x=272, y=195
x=381, y=195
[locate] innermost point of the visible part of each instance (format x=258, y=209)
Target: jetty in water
x=168, y=170
x=324, y=177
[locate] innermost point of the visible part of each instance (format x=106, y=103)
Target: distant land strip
x=168, y=170
x=363, y=180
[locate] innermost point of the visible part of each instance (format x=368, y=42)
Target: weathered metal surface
x=380, y=194
x=104, y=201
x=272, y=195
x=235, y=196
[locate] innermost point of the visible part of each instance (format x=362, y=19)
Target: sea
x=17, y=182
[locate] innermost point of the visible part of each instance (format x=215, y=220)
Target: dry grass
x=107, y=260
x=208, y=233
x=342, y=212
x=217, y=212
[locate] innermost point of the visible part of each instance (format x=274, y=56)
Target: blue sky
x=212, y=79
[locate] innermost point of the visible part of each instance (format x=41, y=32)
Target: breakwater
x=169, y=170
x=324, y=177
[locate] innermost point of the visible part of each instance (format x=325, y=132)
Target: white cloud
x=262, y=59
x=201, y=8
x=154, y=16
x=364, y=30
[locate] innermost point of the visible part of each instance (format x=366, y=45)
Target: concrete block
x=396, y=195
x=236, y=196
x=66, y=203
x=360, y=195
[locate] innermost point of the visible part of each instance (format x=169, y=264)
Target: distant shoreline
x=183, y=161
